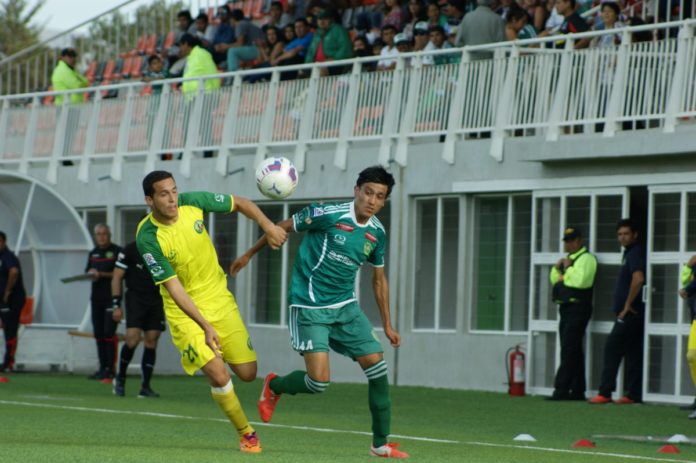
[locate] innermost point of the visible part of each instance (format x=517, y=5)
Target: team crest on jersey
x=345, y=227
x=367, y=248
x=149, y=259
x=198, y=226
x=172, y=255
x=219, y=198
x=109, y=255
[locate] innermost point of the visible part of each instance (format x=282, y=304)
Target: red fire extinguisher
x=514, y=362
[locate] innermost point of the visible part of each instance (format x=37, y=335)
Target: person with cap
x=421, y=36
x=573, y=280
x=402, y=43
x=331, y=42
x=65, y=77
x=625, y=341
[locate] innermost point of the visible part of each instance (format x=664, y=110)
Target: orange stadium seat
x=109, y=71
x=127, y=68
x=91, y=71
x=140, y=47
x=136, y=70
x=168, y=41
x=48, y=99
x=151, y=44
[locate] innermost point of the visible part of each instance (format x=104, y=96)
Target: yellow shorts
x=692, y=337
x=189, y=339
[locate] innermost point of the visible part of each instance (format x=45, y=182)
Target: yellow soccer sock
x=229, y=403
x=691, y=359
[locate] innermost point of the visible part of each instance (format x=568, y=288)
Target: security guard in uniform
x=573, y=279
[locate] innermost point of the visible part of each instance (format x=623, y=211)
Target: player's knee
x=150, y=343
x=376, y=370
x=316, y=386
x=691, y=356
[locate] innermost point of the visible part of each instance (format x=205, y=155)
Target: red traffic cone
x=584, y=443
x=669, y=448
x=4, y=379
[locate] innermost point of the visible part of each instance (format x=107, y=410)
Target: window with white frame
x=224, y=236
x=129, y=220
x=92, y=217
x=501, y=261
x=436, y=263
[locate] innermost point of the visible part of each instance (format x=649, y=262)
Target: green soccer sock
x=380, y=408
x=297, y=382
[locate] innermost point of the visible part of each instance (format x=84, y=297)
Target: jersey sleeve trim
x=157, y=283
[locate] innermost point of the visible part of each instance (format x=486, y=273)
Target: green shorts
x=346, y=330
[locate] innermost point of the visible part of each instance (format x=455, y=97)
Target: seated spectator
x=393, y=14
x=479, y=27
x=204, y=31
x=224, y=35
x=361, y=47
x=295, y=51
x=370, y=17
x=414, y=15
x=330, y=42
x=377, y=47
x=402, y=43
x=155, y=71
x=554, y=19
x=389, y=50
x=572, y=23
x=537, y=11
x=349, y=16
x=269, y=50
x=640, y=36
x=199, y=62
x=297, y=9
x=517, y=25
x=434, y=15
x=247, y=37
x=289, y=33
x=276, y=17
x=65, y=77
x=421, y=36
x=184, y=25
x=610, y=17
x=438, y=41
x=455, y=12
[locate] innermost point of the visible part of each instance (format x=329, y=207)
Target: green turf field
x=66, y=418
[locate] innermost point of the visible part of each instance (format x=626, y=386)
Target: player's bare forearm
x=380, y=286
x=275, y=236
x=116, y=280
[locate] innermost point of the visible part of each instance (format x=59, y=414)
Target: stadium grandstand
x=497, y=143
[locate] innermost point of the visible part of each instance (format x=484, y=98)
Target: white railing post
x=58, y=141
x=391, y=112
x=618, y=87
x=558, y=107
x=4, y=116
x=307, y=122
x=195, y=110
x=229, y=126
x=408, y=121
x=676, y=95
x=156, y=142
x=505, y=105
x=90, y=138
x=268, y=118
x=29, y=135
x=347, y=127
x=123, y=133
x=454, y=119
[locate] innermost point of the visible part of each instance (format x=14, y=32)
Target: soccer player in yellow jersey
x=203, y=316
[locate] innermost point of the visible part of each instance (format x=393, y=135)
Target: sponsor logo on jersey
x=333, y=255
x=345, y=227
x=156, y=271
x=149, y=259
x=340, y=239
x=219, y=198
x=371, y=237
x=198, y=226
x=367, y=248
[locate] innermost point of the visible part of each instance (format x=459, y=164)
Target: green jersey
x=331, y=254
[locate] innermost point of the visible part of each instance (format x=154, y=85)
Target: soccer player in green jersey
x=203, y=316
x=324, y=312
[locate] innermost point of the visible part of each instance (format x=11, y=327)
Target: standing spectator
x=204, y=31
x=13, y=299
x=572, y=23
x=199, y=62
x=479, y=27
x=65, y=77
x=389, y=50
x=331, y=42
x=688, y=293
x=224, y=35
x=100, y=264
x=517, y=25
x=247, y=37
x=393, y=14
x=296, y=50
x=626, y=338
x=573, y=281
x=276, y=17
x=414, y=15
x=610, y=17
x=144, y=315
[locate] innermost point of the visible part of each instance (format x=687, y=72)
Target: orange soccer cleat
x=250, y=443
x=268, y=400
x=388, y=450
x=600, y=400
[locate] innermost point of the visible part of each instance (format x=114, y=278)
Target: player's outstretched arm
x=242, y=261
x=275, y=235
x=380, y=286
x=186, y=304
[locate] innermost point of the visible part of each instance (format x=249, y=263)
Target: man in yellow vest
x=65, y=77
x=573, y=279
x=199, y=62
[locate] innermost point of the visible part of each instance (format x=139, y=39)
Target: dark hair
x=184, y=14
x=516, y=12
x=626, y=223
x=278, y=4
x=68, y=52
x=437, y=28
x=302, y=20
x=613, y=5
x=203, y=17
x=573, y=3
x=376, y=174
x=225, y=8
x=189, y=39
x=3, y=236
x=640, y=36
x=237, y=14
x=458, y=4
x=389, y=26
x=152, y=178
x=152, y=58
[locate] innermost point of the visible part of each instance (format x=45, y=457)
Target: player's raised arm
x=242, y=261
x=275, y=235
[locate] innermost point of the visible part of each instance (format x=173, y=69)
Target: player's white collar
x=354, y=218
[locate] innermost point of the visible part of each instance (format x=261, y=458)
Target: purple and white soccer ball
x=276, y=177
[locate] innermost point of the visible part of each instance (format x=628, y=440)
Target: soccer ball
x=276, y=177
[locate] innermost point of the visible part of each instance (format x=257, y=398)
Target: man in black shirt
x=626, y=337
x=12, y=298
x=144, y=313
x=101, y=265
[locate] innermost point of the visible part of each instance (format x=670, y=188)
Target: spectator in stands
x=572, y=23
x=155, y=71
x=204, y=31
x=640, y=36
x=199, y=62
x=554, y=19
x=276, y=17
x=269, y=51
x=65, y=77
x=12, y=299
x=369, y=17
x=434, y=14
x=350, y=11
x=393, y=14
x=537, y=12
x=248, y=37
x=361, y=47
x=610, y=17
x=389, y=50
x=224, y=35
x=184, y=25
x=331, y=42
x=479, y=27
x=377, y=46
x=402, y=43
x=421, y=36
x=297, y=8
x=415, y=14
x=517, y=25
x=454, y=12
x=296, y=50
x=289, y=33
x=438, y=41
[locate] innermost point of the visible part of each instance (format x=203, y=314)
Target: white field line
x=338, y=431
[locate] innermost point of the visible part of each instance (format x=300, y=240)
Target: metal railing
x=522, y=91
